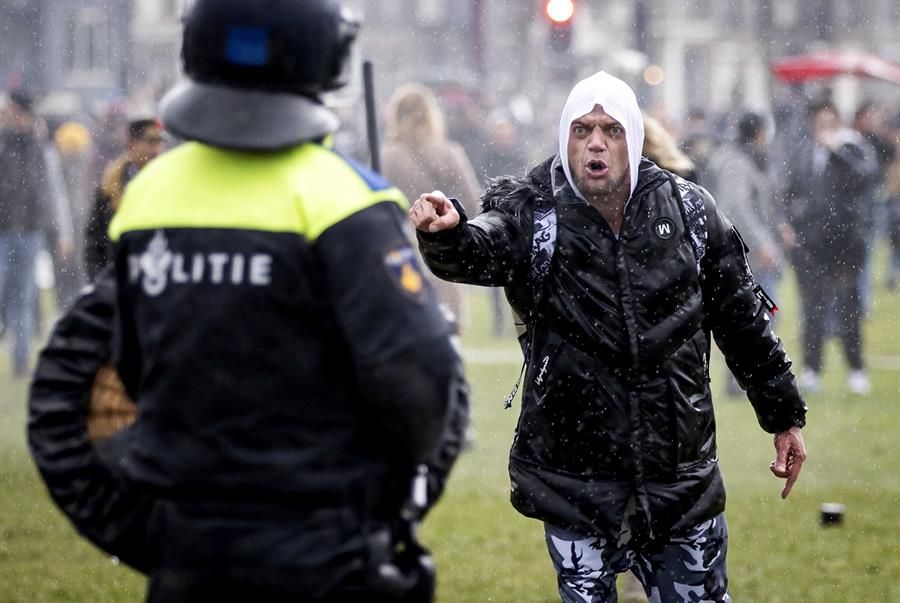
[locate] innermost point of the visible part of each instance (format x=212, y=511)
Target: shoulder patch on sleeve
x=403, y=268
x=373, y=180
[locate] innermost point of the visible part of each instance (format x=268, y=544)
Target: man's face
x=18, y=119
x=146, y=148
x=598, y=155
x=824, y=123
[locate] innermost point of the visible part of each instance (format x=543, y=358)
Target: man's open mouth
x=596, y=168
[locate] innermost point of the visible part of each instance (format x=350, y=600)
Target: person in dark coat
x=622, y=273
x=26, y=216
x=145, y=143
x=828, y=202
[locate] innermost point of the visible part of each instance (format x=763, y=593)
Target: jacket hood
x=619, y=102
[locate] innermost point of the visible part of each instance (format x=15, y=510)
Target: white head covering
x=619, y=102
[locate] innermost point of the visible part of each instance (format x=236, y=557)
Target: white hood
x=619, y=102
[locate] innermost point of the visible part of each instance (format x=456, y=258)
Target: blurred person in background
x=145, y=143
x=73, y=145
x=892, y=203
x=738, y=177
x=61, y=230
x=27, y=214
x=697, y=141
x=615, y=446
x=504, y=155
x=869, y=120
x=465, y=118
x=828, y=203
x=660, y=148
x=417, y=155
x=110, y=137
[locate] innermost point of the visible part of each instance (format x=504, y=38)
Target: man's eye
x=615, y=130
x=579, y=130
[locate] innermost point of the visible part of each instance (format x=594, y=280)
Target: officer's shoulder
x=339, y=188
x=177, y=156
x=341, y=167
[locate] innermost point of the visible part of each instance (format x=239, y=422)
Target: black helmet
x=256, y=69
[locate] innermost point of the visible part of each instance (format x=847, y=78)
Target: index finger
x=435, y=197
x=793, y=474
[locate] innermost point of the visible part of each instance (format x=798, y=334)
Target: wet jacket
x=744, y=191
x=25, y=199
x=616, y=398
x=288, y=361
x=97, y=249
x=831, y=208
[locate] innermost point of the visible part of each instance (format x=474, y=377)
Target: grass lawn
x=486, y=552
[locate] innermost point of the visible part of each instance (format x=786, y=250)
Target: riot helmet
x=256, y=71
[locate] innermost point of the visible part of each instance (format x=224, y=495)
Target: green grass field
x=486, y=552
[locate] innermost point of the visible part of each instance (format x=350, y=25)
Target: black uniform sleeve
x=404, y=360
x=101, y=504
x=493, y=249
x=743, y=330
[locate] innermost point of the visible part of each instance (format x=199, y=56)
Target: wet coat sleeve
x=743, y=189
x=743, y=330
x=96, y=238
x=493, y=249
x=103, y=506
x=859, y=162
x=403, y=358
x=856, y=168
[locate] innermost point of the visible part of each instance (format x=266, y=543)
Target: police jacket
x=289, y=363
x=616, y=400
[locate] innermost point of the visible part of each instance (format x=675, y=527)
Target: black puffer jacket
x=616, y=397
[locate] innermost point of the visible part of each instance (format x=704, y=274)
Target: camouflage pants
x=689, y=567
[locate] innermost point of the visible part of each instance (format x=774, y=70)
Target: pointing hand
x=433, y=212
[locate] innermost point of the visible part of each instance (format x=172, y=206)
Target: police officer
x=291, y=367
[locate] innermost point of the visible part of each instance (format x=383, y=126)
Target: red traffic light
x=559, y=11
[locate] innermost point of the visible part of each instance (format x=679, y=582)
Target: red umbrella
x=830, y=63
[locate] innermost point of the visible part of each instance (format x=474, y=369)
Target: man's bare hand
x=790, y=452
x=433, y=212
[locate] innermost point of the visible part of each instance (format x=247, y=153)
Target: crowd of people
x=815, y=198
x=780, y=187
x=62, y=179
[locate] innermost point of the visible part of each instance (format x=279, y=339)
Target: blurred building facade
x=679, y=55
x=78, y=46
x=155, y=37
x=715, y=54
x=712, y=54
